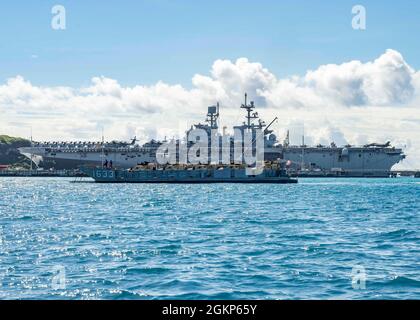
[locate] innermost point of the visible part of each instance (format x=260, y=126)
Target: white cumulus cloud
x=353, y=102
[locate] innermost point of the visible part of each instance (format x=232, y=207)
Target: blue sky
x=146, y=41
x=150, y=68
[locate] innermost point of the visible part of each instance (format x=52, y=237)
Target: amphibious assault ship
x=371, y=160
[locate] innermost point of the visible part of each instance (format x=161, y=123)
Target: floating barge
x=189, y=174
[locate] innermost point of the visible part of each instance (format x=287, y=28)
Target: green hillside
x=4, y=139
x=9, y=153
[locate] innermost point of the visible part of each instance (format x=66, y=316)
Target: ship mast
x=250, y=116
x=32, y=145
x=286, y=141
x=102, y=151
x=302, y=165
x=213, y=116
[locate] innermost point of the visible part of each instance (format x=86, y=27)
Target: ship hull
x=202, y=176
x=66, y=164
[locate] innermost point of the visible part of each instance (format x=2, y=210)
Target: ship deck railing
x=152, y=166
x=98, y=150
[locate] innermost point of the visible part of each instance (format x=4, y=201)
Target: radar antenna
x=250, y=114
x=213, y=116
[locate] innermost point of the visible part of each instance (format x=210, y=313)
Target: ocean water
x=319, y=239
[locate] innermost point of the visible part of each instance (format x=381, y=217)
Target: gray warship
x=370, y=160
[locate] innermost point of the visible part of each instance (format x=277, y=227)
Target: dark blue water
x=141, y=241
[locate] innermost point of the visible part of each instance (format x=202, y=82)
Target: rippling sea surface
x=64, y=240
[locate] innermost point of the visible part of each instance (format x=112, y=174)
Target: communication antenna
x=303, y=135
x=286, y=141
x=102, y=146
x=32, y=145
x=249, y=108
x=302, y=166
x=213, y=116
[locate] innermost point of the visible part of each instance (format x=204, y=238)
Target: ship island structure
x=371, y=160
